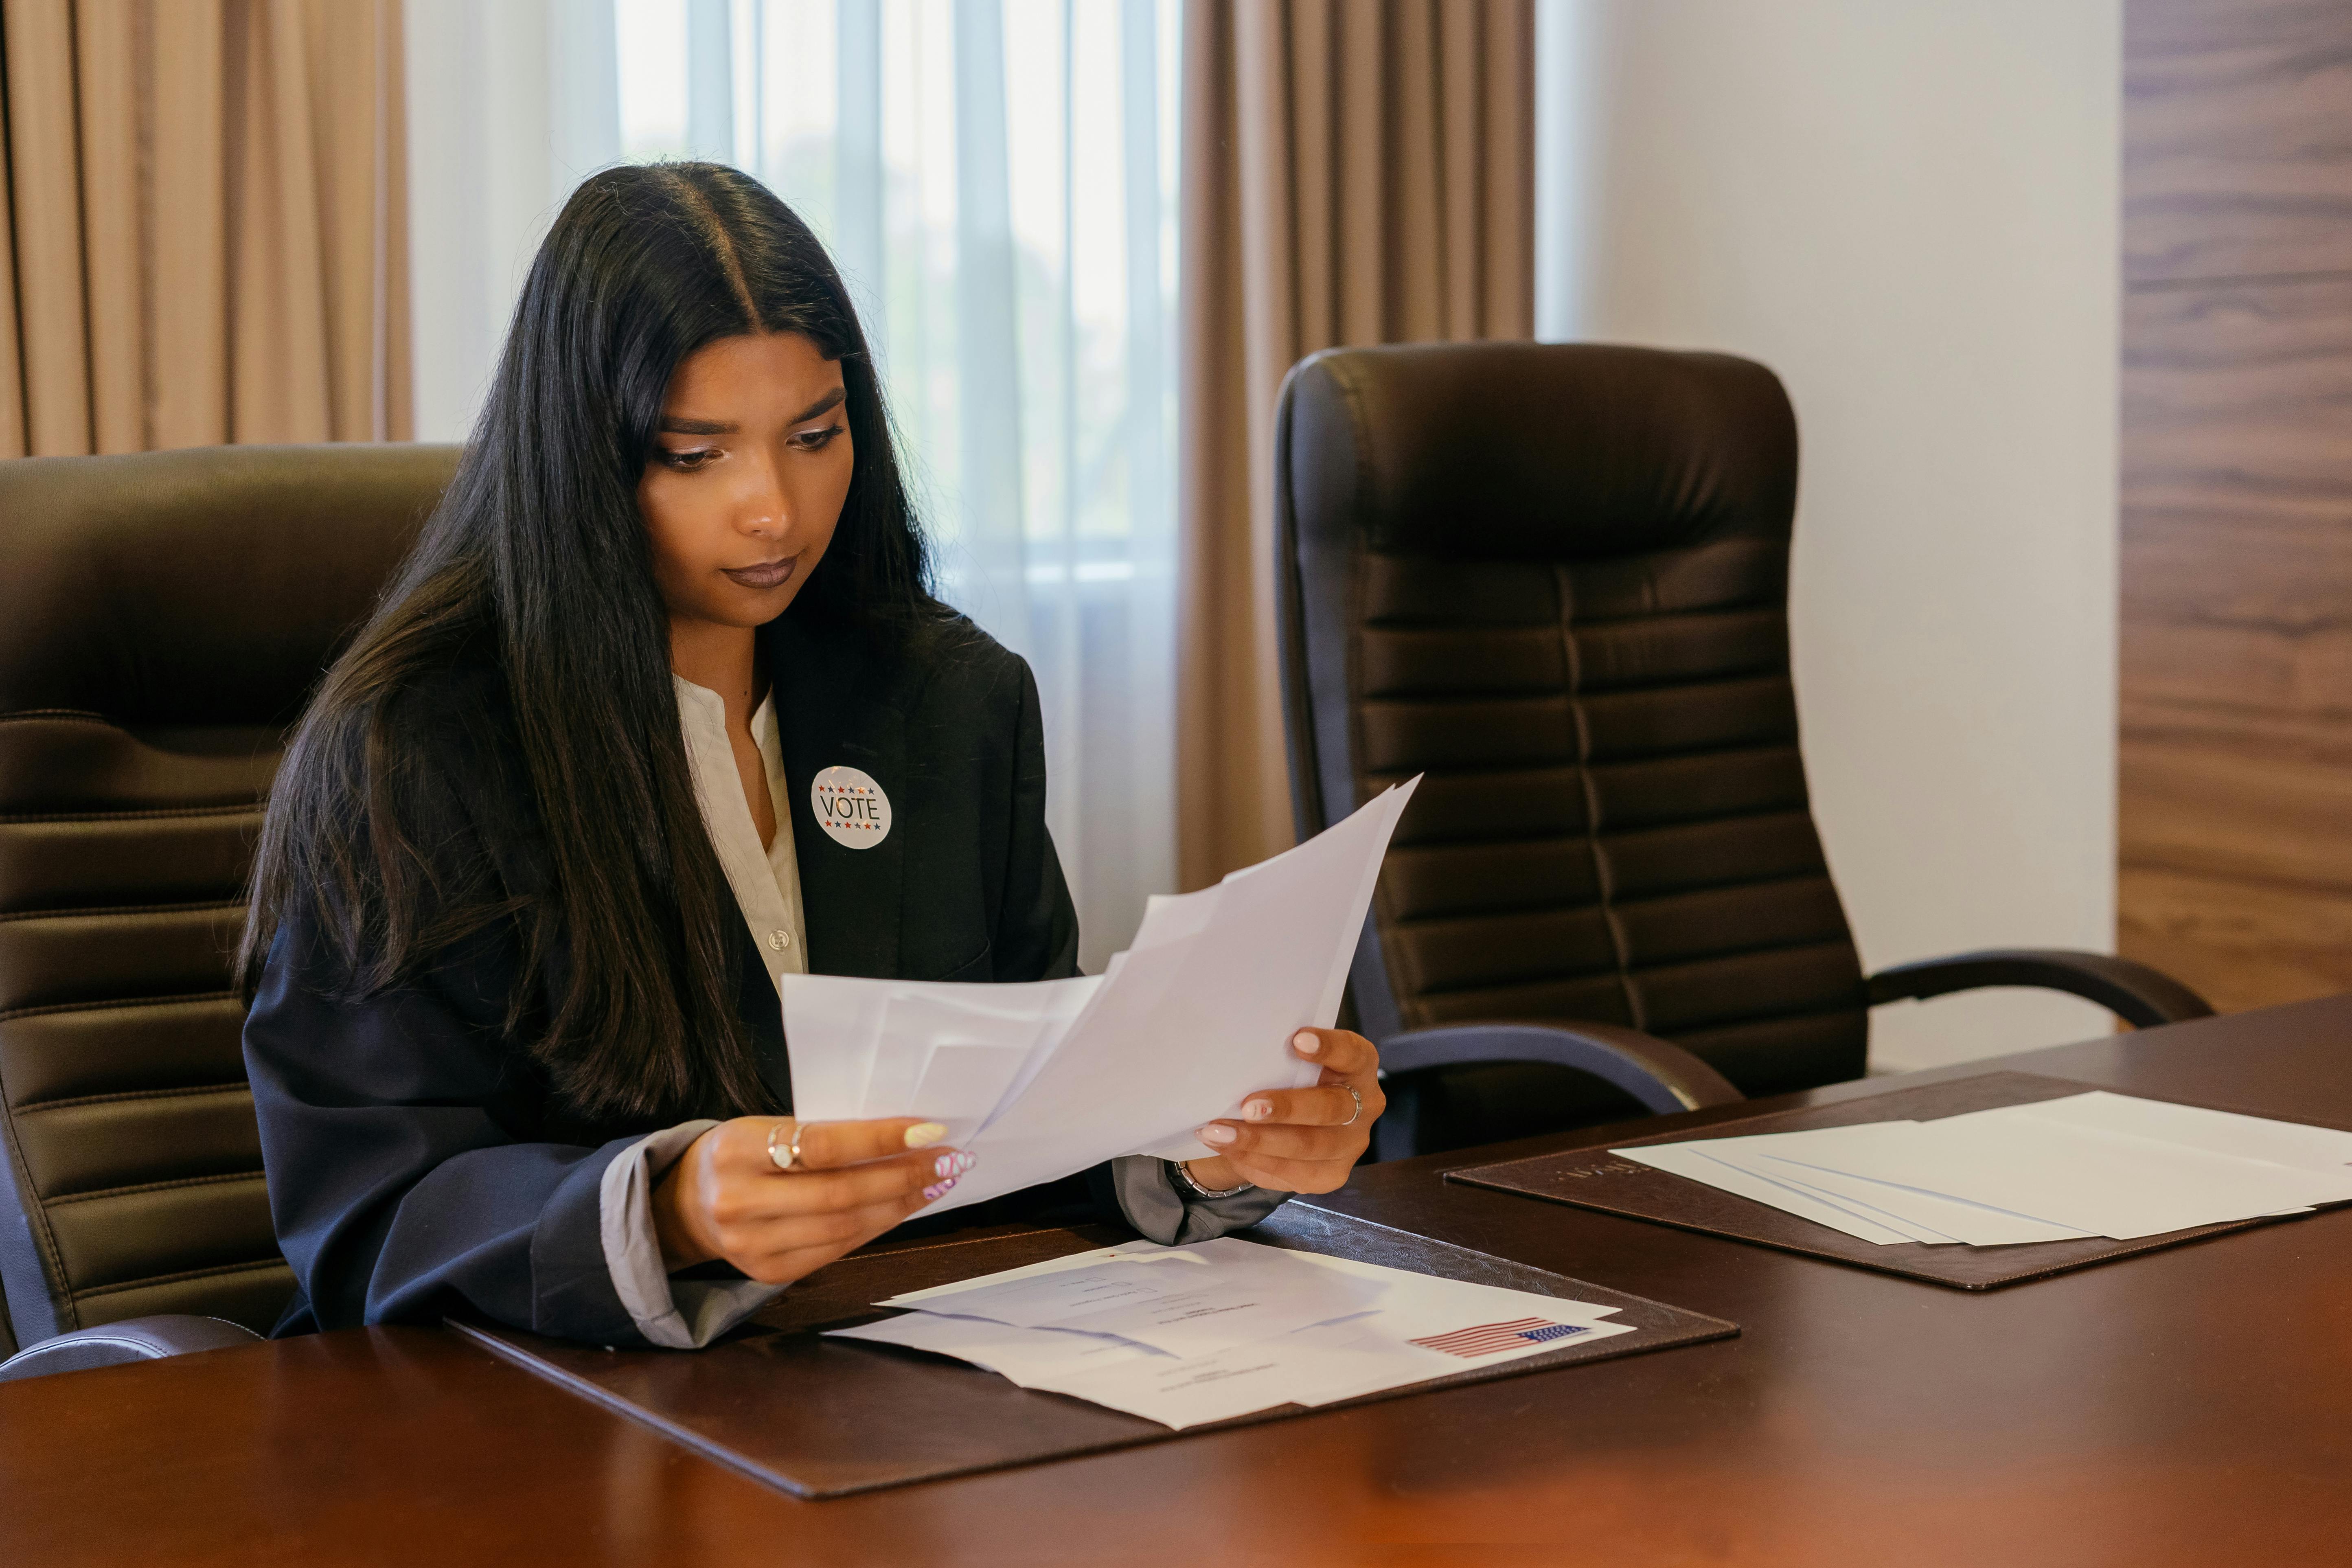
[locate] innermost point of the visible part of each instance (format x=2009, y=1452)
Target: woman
x=548, y=836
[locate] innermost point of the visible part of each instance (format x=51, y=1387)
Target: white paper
x=831, y=1021
x=1319, y=1365
x=962, y=1083
x=2106, y=1183
x=1026, y=1271
x=2292, y=1143
x=1175, y=1390
x=1931, y=1219
x=920, y=1021
x=1388, y=1357
x=1232, y=1364
x=1497, y=1301
x=1690, y=1159
x=1023, y=1355
x=1182, y=1302
x=1174, y=917
x=856, y=1043
x=1818, y=1185
x=1950, y=1218
x=1195, y=1016
x=1216, y=1386
x=2088, y=1164
x=1405, y=1286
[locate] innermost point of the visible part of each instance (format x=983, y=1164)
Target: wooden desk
x=2190, y=1407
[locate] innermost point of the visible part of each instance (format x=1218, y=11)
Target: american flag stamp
x=1488, y=1338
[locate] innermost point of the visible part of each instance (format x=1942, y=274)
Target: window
x=996, y=179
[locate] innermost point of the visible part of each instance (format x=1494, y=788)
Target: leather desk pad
x=1593, y=1178
x=820, y=1417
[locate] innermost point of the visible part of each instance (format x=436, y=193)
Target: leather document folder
x=1593, y=1178
x=819, y=1417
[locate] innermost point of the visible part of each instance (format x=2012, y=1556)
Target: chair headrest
x=203, y=587
x=1535, y=451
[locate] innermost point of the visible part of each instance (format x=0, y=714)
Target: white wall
x=500, y=130
x=1908, y=209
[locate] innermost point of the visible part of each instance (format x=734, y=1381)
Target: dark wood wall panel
x=2252, y=798
x=2244, y=944
x=2238, y=130
x=2236, y=781
x=2237, y=577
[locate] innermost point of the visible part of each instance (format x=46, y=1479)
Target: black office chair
x=163, y=619
x=1554, y=578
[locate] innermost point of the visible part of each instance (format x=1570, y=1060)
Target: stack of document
x=1044, y=1079
x=1184, y=1335
x=2058, y=1170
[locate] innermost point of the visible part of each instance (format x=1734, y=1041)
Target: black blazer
x=420, y=1161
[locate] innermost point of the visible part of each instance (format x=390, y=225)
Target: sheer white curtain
x=997, y=180
x=509, y=105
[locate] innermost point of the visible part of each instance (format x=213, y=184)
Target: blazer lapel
x=836, y=708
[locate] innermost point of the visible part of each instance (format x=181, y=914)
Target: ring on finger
x=1354, y=1095
x=788, y=1157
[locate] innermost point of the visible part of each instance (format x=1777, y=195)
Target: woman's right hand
x=726, y=1199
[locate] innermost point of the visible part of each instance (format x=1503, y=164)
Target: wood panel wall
x=2236, y=783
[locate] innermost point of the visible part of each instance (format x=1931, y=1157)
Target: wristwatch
x=1180, y=1172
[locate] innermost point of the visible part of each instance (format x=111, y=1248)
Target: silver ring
x=789, y=1156
x=1358, y=1098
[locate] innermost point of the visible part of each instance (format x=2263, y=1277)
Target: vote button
x=850, y=807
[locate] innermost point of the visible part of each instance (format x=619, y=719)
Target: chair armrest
x=132, y=1339
x=2140, y=996
x=1660, y=1075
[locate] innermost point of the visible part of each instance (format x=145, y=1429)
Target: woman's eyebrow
x=674, y=425
x=829, y=400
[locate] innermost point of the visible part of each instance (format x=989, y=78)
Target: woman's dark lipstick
x=766, y=575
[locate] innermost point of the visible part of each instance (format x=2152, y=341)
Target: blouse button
x=779, y=940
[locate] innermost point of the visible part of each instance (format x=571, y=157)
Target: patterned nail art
x=945, y=1165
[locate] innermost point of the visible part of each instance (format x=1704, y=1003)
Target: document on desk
x=1930, y=1217
x=2095, y=1165
x=1182, y=1301
x=1046, y=1079
x=1193, y=1334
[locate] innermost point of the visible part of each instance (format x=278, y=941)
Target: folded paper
x=1046, y=1079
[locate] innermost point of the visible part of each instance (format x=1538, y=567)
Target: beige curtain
x=203, y=237
x=1355, y=171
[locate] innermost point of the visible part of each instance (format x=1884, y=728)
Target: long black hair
x=537, y=563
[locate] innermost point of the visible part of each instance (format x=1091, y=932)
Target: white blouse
x=766, y=880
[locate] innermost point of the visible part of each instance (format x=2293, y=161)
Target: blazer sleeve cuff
x=1147, y=1196
x=675, y=1314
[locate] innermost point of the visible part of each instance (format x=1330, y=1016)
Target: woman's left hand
x=1301, y=1140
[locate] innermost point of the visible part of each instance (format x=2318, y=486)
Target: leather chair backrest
x=163, y=619
x=1554, y=578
